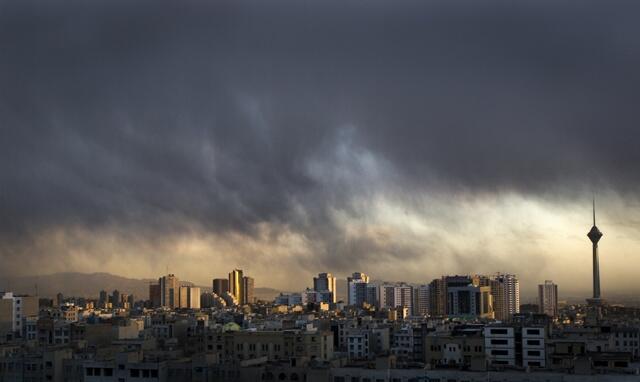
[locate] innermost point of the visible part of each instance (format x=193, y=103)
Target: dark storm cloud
x=164, y=116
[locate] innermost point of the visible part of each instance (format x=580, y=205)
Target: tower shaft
x=596, y=272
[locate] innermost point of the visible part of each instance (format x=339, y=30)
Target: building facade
x=548, y=298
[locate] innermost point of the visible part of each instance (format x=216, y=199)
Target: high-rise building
x=183, y=299
x=438, y=292
x=548, y=298
x=194, y=297
x=395, y=296
x=469, y=301
x=438, y=297
x=59, y=299
x=189, y=297
x=236, y=284
x=102, y=301
x=505, y=289
x=386, y=298
x=403, y=296
x=325, y=282
x=154, y=295
x=357, y=288
x=220, y=286
x=247, y=290
x=421, y=299
x=115, y=299
x=371, y=295
x=124, y=300
x=169, y=290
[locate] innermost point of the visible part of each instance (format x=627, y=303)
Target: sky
x=404, y=139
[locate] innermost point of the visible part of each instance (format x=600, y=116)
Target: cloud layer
x=309, y=136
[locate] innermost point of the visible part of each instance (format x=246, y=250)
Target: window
x=108, y=372
x=499, y=342
x=533, y=342
x=533, y=352
x=499, y=352
x=134, y=373
x=533, y=331
x=499, y=331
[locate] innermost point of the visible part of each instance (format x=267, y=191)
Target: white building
x=396, y=296
x=548, y=298
x=505, y=289
x=502, y=343
x=533, y=347
x=499, y=344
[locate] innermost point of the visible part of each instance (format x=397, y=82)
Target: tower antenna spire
x=594, y=210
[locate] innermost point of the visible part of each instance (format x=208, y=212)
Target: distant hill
x=90, y=284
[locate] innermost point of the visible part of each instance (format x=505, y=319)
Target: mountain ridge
x=80, y=284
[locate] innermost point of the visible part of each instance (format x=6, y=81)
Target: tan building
x=275, y=345
x=548, y=298
x=189, y=297
x=13, y=308
x=445, y=349
x=247, y=290
x=505, y=289
x=169, y=290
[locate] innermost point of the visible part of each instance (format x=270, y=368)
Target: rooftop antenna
x=594, y=210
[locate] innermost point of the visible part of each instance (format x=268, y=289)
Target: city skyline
x=449, y=138
x=319, y=191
